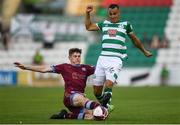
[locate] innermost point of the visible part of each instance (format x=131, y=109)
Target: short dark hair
x=112, y=6
x=74, y=50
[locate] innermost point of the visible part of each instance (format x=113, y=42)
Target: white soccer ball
x=100, y=113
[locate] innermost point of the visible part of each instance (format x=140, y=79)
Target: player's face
x=75, y=58
x=113, y=14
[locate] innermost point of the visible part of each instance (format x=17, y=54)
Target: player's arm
x=88, y=23
x=138, y=44
x=42, y=69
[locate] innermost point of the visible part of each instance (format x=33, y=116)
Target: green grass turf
x=132, y=105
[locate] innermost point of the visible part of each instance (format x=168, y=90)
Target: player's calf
x=106, y=99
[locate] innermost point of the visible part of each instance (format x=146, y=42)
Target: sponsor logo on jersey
x=76, y=75
x=112, y=32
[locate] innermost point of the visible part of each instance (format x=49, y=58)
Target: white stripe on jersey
x=114, y=53
x=114, y=38
x=114, y=28
x=108, y=22
x=114, y=46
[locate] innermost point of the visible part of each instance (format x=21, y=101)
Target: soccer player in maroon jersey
x=75, y=76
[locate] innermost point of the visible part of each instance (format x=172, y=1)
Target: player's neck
x=115, y=21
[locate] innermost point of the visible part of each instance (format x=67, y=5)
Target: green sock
x=99, y=97
x=108, y=90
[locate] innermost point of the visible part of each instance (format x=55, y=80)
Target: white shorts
x=107, y=68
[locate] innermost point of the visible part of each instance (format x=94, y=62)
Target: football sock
x=81, y=116
x=108, y=90
x=100, y=97
x=91, y=104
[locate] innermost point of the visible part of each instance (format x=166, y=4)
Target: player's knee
x=79, y=100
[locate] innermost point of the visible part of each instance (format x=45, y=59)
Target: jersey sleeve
x=90, y=70
x=58, y=68
x=129, y=28
x=99, y=25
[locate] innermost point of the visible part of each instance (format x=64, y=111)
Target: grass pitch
x=132, y=105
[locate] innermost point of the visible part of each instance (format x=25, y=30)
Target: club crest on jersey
x=112, y=32
x=111, y=70
x=83, y=69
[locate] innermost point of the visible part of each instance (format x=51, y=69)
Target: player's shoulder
x=106, y=21
x=85, y=65
x=66, y=64
x=101, y=23
x=125, y=22
x=61, y=64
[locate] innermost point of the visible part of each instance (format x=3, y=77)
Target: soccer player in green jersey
x=113, y=51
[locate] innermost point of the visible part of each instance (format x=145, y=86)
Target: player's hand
x=89, y=8
x=148, y=54
x=21, y=66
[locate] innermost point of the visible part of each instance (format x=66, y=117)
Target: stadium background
x=66, y=20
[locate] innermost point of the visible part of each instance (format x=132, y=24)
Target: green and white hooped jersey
x=114, y=37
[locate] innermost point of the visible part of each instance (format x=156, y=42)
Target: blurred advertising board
x=8, y=77
x=24, y=78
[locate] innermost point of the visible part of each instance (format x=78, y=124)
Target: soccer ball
x=100, y=113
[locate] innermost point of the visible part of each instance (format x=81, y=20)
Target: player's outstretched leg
x=60, y=115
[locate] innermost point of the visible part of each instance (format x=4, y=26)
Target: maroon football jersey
x=75, y=76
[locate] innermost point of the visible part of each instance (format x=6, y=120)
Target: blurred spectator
x=9, y=8
x=155, y=43
x=48, y=36
x=164, y=75
x=5, y=38
x=38, y=58
x=0, y=28
x=164, y=42
x=146, y=40
x=29, y=6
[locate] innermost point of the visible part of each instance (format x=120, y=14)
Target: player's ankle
x=99, y=97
